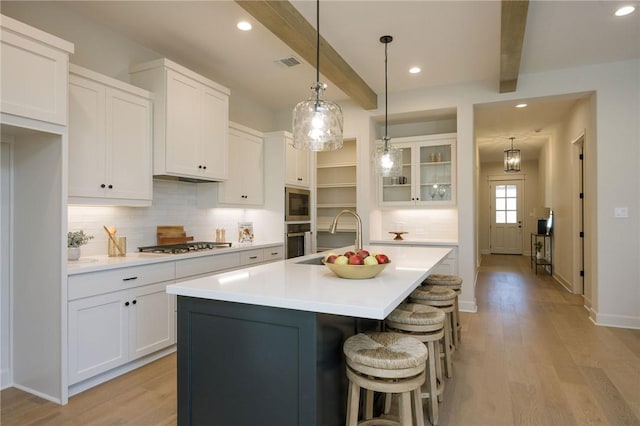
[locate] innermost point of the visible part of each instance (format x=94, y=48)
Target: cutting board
x=171, y=234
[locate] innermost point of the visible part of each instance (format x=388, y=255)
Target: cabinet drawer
x=94, y=283
x=272, y=253
x=250, y=257
x=206, y=264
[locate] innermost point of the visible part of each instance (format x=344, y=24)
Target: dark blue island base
x=248, y=365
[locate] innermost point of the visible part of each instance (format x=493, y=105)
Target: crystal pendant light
x=387, y=159
x=317, y=123
x=511, y=159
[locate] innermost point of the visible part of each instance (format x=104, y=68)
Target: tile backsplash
x=174, y=203
x=421, y=224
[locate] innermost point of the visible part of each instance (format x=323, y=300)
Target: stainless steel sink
x=314, y=261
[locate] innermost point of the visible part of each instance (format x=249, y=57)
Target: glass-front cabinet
x=428, y=173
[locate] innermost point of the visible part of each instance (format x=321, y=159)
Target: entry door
x=506, y=217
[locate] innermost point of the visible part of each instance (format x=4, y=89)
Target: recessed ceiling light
x=625, y=10
x=415, y=70
x=244, y=26
x=521, y=106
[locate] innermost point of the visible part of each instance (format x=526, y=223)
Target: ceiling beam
x=284, y=21
x=514, y=21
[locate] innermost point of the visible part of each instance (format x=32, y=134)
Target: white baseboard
x=119, y=371
x=619, y=321
x=37, y=393
x=564, y=283
x=467, y=306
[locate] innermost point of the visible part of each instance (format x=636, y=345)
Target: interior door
x=506, y=217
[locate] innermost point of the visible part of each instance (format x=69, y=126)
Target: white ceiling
x=453, y=42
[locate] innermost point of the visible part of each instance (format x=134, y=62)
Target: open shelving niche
x=336, y=189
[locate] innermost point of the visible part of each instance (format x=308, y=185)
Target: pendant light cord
x=318, y=41
x=386, y=99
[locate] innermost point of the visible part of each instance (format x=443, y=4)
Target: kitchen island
x=263, y=345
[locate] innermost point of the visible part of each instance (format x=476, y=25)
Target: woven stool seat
x=443, y=279
x=414, y=314
x=387, y=363
x=433, y=293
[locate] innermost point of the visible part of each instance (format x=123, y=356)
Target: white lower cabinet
x=110, y=326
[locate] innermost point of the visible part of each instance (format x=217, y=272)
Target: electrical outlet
x=621, y=212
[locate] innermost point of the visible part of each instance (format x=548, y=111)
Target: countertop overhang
x=293, y=285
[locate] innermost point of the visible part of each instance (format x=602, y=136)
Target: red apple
x=382, y=258
x=349, y=253
x=355, y=260
x=331, y=258
x=363, y=253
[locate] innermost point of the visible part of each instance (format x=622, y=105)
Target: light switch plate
x=621, y=212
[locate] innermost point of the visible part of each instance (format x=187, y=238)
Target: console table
x=546, y=261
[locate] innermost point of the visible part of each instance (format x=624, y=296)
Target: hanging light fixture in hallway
x=317, y=123
x=388, y=159
x=512, y=159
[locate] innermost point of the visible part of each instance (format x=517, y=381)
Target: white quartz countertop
x=103, y=262
x=418, y=242
x=293, y=285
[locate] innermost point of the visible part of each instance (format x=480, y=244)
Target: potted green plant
x=538, y=249
x=74, y=241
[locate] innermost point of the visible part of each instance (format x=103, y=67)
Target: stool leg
x=387, y=402
x=456, y=322
x=447, y=348
x=438, y=359
x=405, y=408
x=417, y=402
x=433, y=385
x=353, y=404
x=368, y=405
x=458, y=325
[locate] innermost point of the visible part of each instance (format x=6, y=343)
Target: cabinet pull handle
x=130, y=279
x=126, y=303
x=253, y=257
x=274, y=253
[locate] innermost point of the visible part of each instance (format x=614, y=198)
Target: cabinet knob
x=134, y=302
x=103, y=186
x=199, y=166
x=110, y=186
x=204, y=167
x=299, y=179
x=126, y=303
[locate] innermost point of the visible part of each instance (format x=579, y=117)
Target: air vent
x=289, y=62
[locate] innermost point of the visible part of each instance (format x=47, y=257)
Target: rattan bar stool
x=387, y=363
x=425, y=323
x=444, y=299
x=454, y=283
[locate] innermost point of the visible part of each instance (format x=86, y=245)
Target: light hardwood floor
x=530, y=356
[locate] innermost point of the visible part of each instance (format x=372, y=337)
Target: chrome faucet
x=334, y=224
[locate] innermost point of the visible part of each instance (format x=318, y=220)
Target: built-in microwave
x=297, y=204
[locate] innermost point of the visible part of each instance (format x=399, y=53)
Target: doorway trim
x=578, y=191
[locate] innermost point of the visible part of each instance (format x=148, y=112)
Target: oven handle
x=295, y=234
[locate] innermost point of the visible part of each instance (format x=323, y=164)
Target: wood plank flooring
x=530, y=356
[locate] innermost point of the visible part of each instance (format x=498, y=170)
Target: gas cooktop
x=184, y=248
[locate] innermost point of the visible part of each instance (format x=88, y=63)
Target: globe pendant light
x=387, y=159
x=511, y=159
x=317, y=123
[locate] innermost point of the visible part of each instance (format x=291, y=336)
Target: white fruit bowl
x=355, y=272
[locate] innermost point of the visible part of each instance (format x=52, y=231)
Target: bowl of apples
x=356, y=266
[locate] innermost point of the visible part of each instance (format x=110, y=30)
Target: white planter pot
x=538, y=255
x=73, y=253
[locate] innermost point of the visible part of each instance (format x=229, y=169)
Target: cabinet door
x=129, y=146
x=151, y=320
x=246, y=173
x=435, y=167
x=399, y=191
x=34, y=75
x=183, y=129
x=297, y=166
x=87, y=165
x=214, y=142
x=98, y=332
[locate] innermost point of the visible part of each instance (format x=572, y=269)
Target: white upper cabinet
x=191, y=117
x=109, y=141
x=428, y=173
x=246, y=175
x=297, y=164
x=34, y=72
